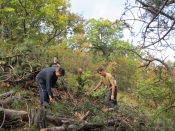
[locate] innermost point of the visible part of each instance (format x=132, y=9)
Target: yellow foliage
x=86, y=45
x=112, y=67
x=79, y=37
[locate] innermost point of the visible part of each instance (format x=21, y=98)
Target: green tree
x=28, y=28
x=102, y=36
x=43, y=21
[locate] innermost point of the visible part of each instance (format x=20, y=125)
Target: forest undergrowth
x=74, y=105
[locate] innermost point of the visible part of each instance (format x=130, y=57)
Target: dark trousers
x=44, y=97
x=111, y=103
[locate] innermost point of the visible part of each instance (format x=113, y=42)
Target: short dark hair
x=61, y=71
x=99, y=70
x=80, y=67
x=56, y=57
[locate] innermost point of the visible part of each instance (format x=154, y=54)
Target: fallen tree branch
x=24, y=116
x=9, y=113
x=59, y=121
x=10, y=100
x=169, y=107
x=7, y=94
x=61, y=128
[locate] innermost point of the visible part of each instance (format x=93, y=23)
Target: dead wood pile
x=78, y=120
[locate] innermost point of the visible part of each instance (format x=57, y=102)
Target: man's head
x=101, y=71
x=55, y=59
x=60, y=72
x=80, y=69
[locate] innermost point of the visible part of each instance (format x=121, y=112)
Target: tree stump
x=37, y=118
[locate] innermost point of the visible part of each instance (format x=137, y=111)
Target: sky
x=107, y=9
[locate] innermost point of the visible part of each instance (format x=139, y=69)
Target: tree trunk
x=37, y=118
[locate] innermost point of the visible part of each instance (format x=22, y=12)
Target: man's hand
x=94, y=89
x=112, y=97
x=51, y=99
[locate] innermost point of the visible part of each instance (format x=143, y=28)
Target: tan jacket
x=107, y=80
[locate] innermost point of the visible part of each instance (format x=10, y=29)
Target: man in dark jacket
x=46, y=80
x=55, y=62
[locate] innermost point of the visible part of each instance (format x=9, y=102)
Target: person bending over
x=46, y=79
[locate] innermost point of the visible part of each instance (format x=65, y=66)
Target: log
x=59, y=121
x=7, y=94
x=24, y=115
x=87, y=126
x=9, y=113
x=67, y=124
x=9, y=100
x=71, y=127
x=61, y=128
x=37, y=118
x=55, y=120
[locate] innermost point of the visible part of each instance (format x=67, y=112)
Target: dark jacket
x=47, y=76
x=55, y=64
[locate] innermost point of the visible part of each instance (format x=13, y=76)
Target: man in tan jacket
x=108, y=80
